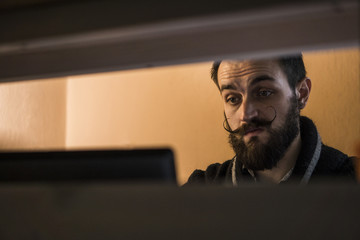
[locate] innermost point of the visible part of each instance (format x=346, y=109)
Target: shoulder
x=332, y=162
x=214, y=173
x=335, y=162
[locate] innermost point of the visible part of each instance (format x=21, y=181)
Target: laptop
x=88, y=165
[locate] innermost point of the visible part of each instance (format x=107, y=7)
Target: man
x=272, y=143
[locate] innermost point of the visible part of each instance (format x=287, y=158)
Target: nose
x=248, y=110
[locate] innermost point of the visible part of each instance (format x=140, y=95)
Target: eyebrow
x=252, y=82
x=260, y=79
x=227, y=86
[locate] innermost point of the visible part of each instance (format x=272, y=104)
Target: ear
x=302, y=91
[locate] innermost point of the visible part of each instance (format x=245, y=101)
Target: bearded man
x=272, y=142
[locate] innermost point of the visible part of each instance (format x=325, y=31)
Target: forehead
x=246, y=70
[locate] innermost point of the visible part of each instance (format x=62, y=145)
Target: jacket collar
x=310, y=149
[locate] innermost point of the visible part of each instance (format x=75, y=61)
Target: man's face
x=259, y=103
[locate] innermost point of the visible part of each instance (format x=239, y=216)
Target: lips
x=253, y=131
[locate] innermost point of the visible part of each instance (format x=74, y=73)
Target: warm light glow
x=176, y=106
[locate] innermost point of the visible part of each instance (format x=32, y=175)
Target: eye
x=233, y=100
x=264, y=93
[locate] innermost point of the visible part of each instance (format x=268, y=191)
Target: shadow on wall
x=12, y=142
x=32, y=114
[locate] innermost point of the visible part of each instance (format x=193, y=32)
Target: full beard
x=255, y=155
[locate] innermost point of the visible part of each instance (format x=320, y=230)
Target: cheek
x=232, y=119
x=282, y=102
x=282, y=110
x=229, y=111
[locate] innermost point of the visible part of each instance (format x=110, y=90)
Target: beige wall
x=32, y=114
x=171, y=106
x=334, y=103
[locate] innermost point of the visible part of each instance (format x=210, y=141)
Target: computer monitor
x=88, y=165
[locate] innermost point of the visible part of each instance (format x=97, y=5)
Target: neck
x=285, y=164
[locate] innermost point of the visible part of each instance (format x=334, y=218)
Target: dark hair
x=293, y=67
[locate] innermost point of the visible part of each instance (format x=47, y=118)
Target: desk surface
x=123, y=211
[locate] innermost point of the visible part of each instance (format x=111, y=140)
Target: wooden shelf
x=59, y=38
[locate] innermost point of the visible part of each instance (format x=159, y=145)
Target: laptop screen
x=94, y=165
